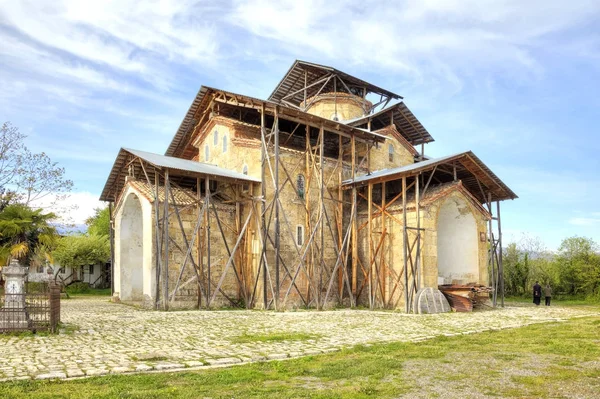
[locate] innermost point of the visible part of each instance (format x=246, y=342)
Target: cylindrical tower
x=337, y=106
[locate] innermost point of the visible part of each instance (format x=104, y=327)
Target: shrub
x=78, y=288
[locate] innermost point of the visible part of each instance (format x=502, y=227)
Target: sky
x=516, y=82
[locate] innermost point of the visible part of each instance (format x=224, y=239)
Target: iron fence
x=36, y=309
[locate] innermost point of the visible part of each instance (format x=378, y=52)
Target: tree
x=578, y=266
x=11, y=147
x=25, y=231
x=38, y=177
x=27, y=177
x=82, y=250
x=515, y=269
x=99, y=223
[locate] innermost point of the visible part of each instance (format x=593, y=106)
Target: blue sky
x=516, y=82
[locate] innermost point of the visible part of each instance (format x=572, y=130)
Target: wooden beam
x=405, y=245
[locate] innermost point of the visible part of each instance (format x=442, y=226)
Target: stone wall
x=392, y=248
x=140, y=274
x=187, y=293
x=244, y=151
x=403, y=153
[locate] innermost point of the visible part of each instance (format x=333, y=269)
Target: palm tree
x=25, y=232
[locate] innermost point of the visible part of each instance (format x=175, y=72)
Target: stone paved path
x=114, y=338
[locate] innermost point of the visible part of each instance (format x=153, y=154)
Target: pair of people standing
x=537, y=293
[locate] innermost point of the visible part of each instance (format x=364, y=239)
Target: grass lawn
x=559, y=360
x=74, y=293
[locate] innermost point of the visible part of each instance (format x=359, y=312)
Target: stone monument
x=13, y=315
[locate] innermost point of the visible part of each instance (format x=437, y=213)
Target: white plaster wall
x=142, y=242
x=457, y=240
x=91, y=278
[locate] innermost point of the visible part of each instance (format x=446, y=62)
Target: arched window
x=206, y=153
x=300, y=186
x=224, y=143
x=216, y=137
x=299, y=235
x=391, y=153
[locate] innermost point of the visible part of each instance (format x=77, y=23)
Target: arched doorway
x=131, y=250
x=457, y=243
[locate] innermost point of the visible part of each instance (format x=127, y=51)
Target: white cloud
x=582, y=221
x=128, y=36
x=433, y=40
x=562, y=187
x=75, y=209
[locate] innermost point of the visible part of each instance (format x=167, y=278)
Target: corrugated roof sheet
x=473, y=172
x=406, y=122
x=185, y=165
x=294, y=81
x=176, y=166
x=400, y=170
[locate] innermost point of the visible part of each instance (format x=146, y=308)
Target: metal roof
x=172, y=163
x=293, y=81
x=176, y=166
x=406, y=122
x=471, y=171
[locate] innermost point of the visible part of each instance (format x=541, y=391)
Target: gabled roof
x=294, y=80
x=205, y=94
x=470, y=170
x=406, y=122
x=175, y=166
x=188, y=123
x=434, y=193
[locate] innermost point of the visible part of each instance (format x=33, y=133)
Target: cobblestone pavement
x=114, y=338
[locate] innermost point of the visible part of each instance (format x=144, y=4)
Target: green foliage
x=25, y=232
x=573, y=271
x=99, y=223
x=578, y=266
x=78, y=288
x=516, y=270
x=82, y=250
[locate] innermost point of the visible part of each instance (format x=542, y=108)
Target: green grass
x=273, y=337
x=557, y=300
x=90, y=292
x=558, y=360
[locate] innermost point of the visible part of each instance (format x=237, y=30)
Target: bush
x=78, y=288
x=35, y=286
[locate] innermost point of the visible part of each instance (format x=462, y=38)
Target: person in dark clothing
x=548, y=294
x=537, y=293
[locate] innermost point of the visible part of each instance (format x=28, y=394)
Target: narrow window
x=225, y=143
x=299, y=235
x=216, y=138
x=206, y=153
x=300, y=186
x=245, y=171
x=391, y=153
x=91, y=269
